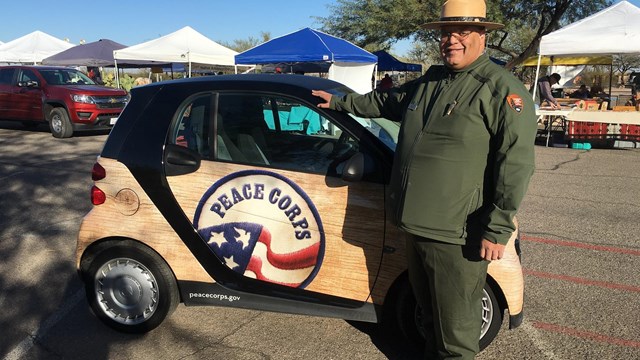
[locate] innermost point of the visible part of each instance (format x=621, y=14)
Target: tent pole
x=535, y=80
x=610, y=80
x=373, y=79
x=115, y=62
x=189, y=60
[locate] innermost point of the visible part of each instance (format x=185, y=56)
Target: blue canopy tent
x=349, y=64
x=387, y=62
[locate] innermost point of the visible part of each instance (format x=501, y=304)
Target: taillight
x=98, y=172
x=97, y=196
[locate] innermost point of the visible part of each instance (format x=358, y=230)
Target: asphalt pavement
x=581, y=255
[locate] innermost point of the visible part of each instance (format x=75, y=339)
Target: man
x=581, y=93
x=462, y=166
x=386, y=83
x=544, y=86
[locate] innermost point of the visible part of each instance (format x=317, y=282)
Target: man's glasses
x=459, y=35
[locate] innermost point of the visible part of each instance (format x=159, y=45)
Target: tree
x=384, y=22
x=624, y=63
x=241, y=45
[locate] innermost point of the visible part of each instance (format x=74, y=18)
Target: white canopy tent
x=32, y=48
x=185, y=46
x=614, y=30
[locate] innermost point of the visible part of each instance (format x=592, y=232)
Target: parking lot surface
x=581, y=255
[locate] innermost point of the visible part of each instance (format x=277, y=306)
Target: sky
x=135, y=21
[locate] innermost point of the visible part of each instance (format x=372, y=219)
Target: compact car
x=239, y=191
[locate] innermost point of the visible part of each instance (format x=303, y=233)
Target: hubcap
x=127, y=291
x=487, y=313
x=56, y=123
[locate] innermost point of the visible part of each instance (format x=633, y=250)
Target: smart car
x=239, y=191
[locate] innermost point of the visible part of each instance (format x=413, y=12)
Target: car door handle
x=180, y=160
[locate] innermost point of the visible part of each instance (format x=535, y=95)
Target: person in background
x=597, y=92
x=635, y=99
x=544, y=88
x=386, y=83
x=94, y=74
x=462, y=165
x=581, y=93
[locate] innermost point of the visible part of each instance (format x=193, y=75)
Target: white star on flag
x=217, y=238
x=243, y=238
x=230, y=262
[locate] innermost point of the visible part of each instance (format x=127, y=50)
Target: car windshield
x=384, y=129
x=65, y=77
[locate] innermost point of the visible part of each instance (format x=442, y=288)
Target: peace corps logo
x=262, y=225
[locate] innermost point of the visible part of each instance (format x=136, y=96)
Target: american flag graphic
x=247, y=248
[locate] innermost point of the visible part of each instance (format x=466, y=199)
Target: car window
x=191, y=128
x=27, y=75
x=6, y=76
x=384, y=129
x=262, y=130
x=283, y=133
x=65, y=77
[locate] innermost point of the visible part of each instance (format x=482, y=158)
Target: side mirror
x=353, y=168
x=30, y=83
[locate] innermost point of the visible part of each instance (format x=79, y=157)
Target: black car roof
x=301, y=81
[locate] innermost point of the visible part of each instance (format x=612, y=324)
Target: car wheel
x=491, y=317
x=409, y=322
x=59, y=123
x=130, y=288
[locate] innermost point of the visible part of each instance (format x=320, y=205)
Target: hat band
x=464, y=19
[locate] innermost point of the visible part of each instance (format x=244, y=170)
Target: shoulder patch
x=515, y=102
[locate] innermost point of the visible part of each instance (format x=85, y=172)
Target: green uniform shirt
x=465, y=150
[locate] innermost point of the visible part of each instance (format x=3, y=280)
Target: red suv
x=66, y=98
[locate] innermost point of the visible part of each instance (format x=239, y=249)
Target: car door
x=6, y=89
x=269, y=197
x=26, y=96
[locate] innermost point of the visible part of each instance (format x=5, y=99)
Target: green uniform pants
x=447, y=280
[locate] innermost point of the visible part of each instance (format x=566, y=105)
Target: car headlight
x=85, y=99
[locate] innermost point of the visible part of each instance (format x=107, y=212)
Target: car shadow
x=391, y=344
x=43, y=127
x=366, y=226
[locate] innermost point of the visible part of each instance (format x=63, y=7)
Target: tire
x=492, y=314
x=408, y=315
x=59, y=123
x=409, y=324
x=130, y=288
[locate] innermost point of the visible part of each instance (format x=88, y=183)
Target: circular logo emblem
x=264, y=226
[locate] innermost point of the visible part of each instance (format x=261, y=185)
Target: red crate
x=629, y=132
x=590, y=130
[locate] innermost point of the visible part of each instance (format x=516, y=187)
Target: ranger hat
x=463, y=12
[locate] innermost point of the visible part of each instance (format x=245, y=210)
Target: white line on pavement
x=537, y=340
